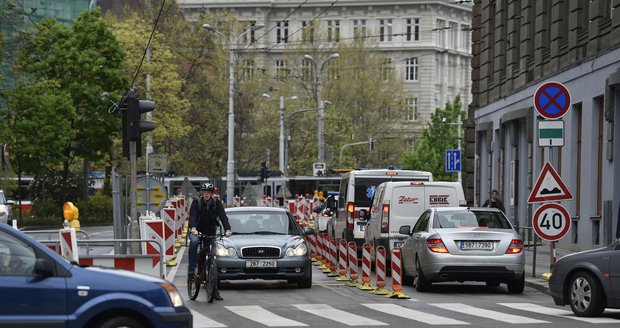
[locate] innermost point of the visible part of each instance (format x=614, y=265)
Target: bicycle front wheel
x=193, y=286
x=211, y=280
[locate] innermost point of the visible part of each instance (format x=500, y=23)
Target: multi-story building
x=427, y=42
x=17, y=16
x=518, y=45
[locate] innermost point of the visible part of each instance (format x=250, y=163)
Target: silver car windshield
x=261, y=223
x=466, y=219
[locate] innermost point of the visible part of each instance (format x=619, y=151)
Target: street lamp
x=320, y=104
x=281, y=165
x=458, y=129
x=230, y=165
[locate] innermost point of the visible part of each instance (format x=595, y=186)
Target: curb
x=540, y=285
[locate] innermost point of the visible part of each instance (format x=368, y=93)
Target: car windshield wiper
x=270, y=233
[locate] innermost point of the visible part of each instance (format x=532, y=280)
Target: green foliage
x=86, y=61
x=46, y=185
x=46, y=207
x=96, y=210
x=36, y=125
x=428, y=153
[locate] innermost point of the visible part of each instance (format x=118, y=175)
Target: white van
x=357, y=189
x=401, y=203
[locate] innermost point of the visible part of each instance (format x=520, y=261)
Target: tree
x=86, y=61
x=428, y=153
x=171, y=107
x=36, y=125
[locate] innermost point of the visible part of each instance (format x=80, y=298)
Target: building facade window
x=333, y=30
x=281, y=70
x=282, y=32
x=412, y=29
x=306, y=70
x=359, y=28
x=411, y=69
x=453, y=33
x=441, y=33
x=249, y=38
x=307, y=31
x=386, y=69
x=465, y=45
x=385, y=30
x=248, y=69
x=412, y=109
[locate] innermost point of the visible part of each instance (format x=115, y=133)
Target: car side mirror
x=43, y=267
x=405, y=230
x=308, y=231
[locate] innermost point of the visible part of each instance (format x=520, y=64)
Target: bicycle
x=207, y=272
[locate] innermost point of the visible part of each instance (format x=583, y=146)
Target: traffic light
x=133, y=126
x=371, y=144
x=264, y=172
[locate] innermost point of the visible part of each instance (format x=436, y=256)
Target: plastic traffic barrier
x=397, y=271
x=380, y=270
x=353, y=268
x=342, y=261
x=366, y=265
x=333, y=258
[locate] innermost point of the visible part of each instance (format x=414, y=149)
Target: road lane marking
x=331, y=313
x=536, y=308
x=484, y=313
x=267, y=318
x=200, y=321
x=407, y=313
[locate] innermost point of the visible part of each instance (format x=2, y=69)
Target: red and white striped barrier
x=397, y=271
x=167, y=214
x=318, y=259
x=333, y=258
x=342, y=260
x=152, y=229
x=380, y=270
x=353, y=267
x=68, y=244
x=325, y=250
x=312, y=242
x=366, y=266
x=147, y=264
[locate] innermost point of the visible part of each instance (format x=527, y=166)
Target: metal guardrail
x=530, y=239
x=107, y=242
x=53, y=232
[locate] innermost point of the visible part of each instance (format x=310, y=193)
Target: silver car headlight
x=223, y=251
x=300, y=250
x=173, y=293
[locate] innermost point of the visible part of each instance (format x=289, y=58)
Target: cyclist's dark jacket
x=204, y=216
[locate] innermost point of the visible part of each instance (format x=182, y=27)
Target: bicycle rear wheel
x=211, y=280
x=193, y=286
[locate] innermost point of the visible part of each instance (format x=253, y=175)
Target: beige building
x=427, y=42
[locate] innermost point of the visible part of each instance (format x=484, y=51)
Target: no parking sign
x=552, y=100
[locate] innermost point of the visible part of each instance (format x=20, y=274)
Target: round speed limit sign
x=551, y=221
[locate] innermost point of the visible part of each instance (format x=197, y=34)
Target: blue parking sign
x=453, y=160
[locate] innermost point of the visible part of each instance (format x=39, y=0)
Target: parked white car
x=5, y=209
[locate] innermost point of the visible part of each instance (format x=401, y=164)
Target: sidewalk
x=542, y=265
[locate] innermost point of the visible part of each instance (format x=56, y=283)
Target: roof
x=257, y=209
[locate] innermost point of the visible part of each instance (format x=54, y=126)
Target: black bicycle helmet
x=207, y=187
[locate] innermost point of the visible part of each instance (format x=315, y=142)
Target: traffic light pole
x=369, y=142
x=134, y=229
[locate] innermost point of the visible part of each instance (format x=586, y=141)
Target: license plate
x=398, y=244
x=261, y=264
x=476, y=245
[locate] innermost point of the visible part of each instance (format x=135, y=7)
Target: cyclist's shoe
x=191, y=275
x=218, y=297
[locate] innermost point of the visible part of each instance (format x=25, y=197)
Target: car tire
x=516, y=286
x=421, y=283
x=585, y=295
x=305, y=282
x=117, y=322
x=407, y=280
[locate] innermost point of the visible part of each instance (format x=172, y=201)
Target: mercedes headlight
x=173, y=293
x=300, y=250
x=223, y=251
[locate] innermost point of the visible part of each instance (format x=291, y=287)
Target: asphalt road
x=330, y=303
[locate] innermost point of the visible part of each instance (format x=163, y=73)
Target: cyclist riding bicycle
x=204, y=217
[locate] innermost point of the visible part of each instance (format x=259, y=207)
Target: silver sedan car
x=267, y=244
x=463, y=244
